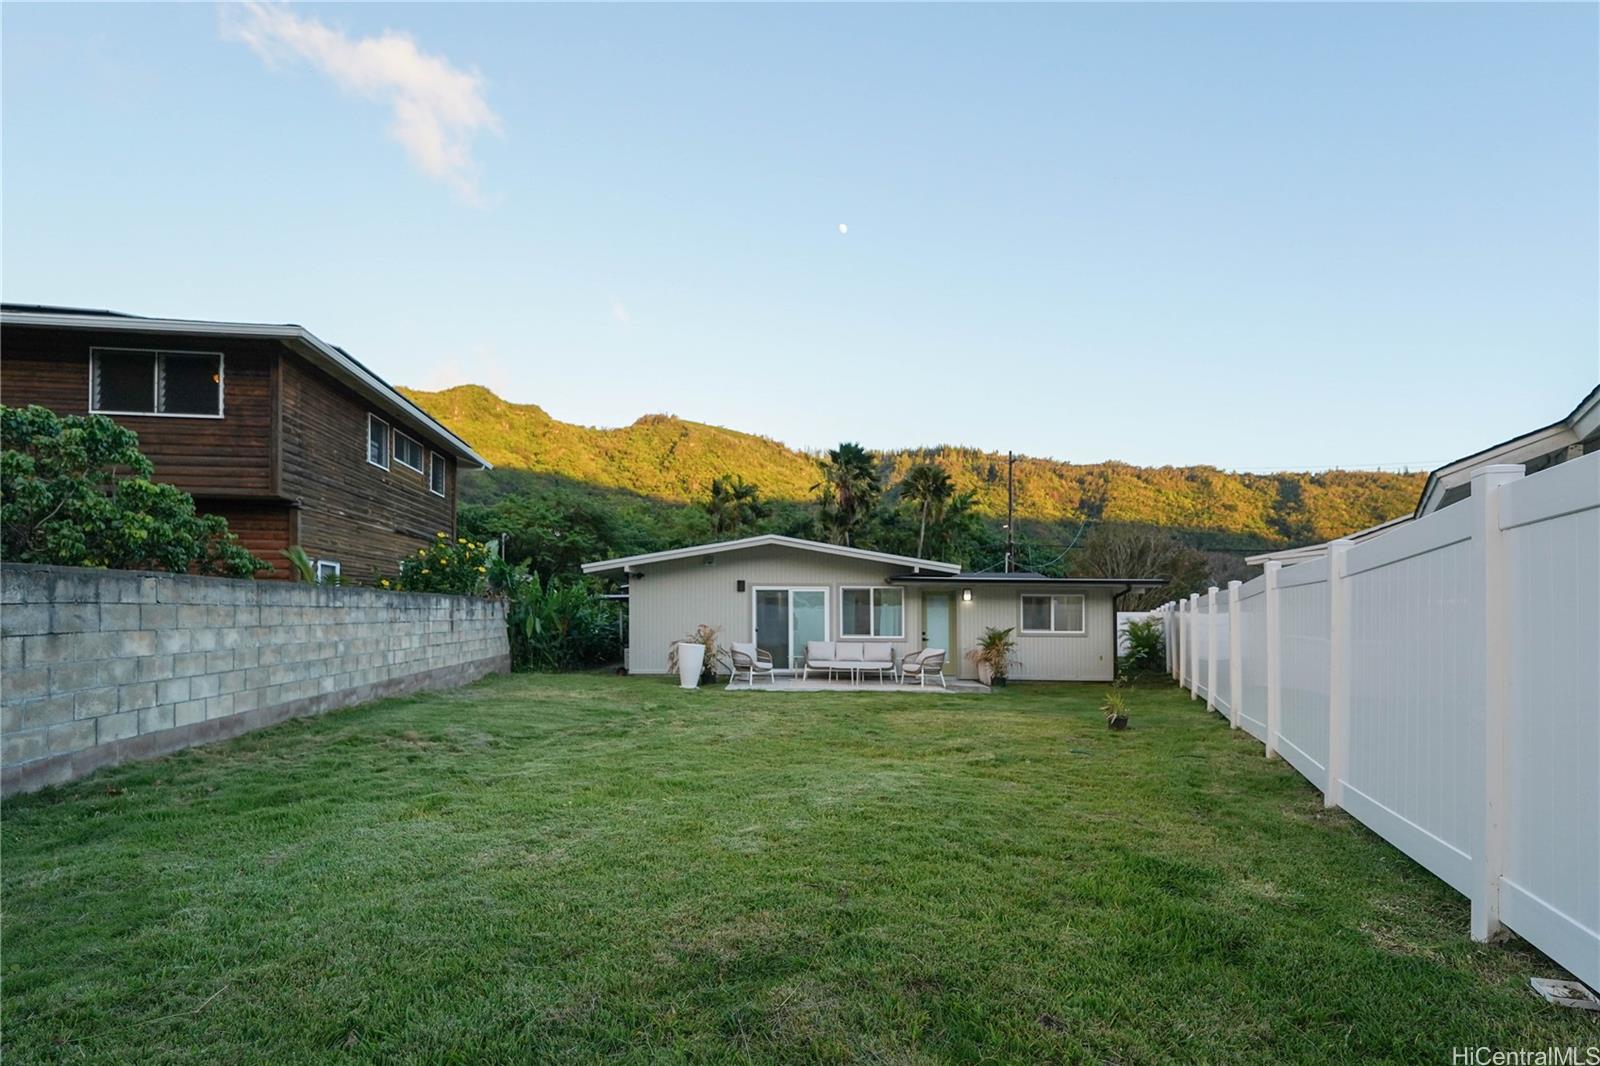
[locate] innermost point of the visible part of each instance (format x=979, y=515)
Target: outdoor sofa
x=854, y=656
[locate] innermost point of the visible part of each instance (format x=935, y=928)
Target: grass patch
x=584, y=867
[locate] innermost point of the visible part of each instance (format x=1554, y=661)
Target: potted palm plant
x=994, y=656
x=1116, y=708
x=695, y=657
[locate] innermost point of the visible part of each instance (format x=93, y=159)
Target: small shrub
x=458, y=566
x=1147, y=649
x=1116, y=707
x=76, y=491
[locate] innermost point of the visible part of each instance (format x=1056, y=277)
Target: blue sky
x=1260, y=237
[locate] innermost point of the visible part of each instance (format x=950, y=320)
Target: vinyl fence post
x=1274, y=664
x=1179, y=639
x=1489, y=551
x=1338, y=673
x=1235, y=655
x=1211, y=648
x=1194, y=645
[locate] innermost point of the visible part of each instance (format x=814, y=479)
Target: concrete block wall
x=101, y=666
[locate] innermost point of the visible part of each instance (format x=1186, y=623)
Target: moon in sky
x=843, y=228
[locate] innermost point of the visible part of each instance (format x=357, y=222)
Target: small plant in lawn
x=707, y=635
x=1116, y=707
x=994, y=656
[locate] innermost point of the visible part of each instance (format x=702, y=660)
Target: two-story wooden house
x=288, y=437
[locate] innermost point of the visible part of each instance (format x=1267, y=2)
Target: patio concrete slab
x=794, y=684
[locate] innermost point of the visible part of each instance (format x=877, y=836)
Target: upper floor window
x=377, y=441
x=132, y=381
x=436, y=474
x=407, y=452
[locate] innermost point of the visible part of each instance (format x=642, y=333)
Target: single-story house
x=780, y=592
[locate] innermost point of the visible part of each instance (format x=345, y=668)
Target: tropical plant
x=848, y=491
x=714, y=657
x=995, y=654
x=927, y=487
x=559, y=626
x=458, y=566
x=306, y=570
x=734, y=504
x=1147, y=649
x=76, y=491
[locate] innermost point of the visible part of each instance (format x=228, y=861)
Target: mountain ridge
x=672, y=461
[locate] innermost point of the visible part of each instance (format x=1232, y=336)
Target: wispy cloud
x=437, y=109
x=619, y=312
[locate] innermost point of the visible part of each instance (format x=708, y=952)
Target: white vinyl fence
x=1441, y=683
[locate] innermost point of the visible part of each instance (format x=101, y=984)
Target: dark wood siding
x=364, y=517
x=231, y=455
x=265, y=527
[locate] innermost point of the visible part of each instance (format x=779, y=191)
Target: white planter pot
x=691, y=657
x=985, y=674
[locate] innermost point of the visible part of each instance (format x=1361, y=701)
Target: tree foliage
x=734, y=506
x=556, y=625
x=1116, y=550
x=848, y=492
x=76, y=491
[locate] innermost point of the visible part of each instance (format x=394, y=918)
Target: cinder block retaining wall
x=103, y=666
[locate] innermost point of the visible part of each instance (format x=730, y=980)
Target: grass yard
x=587, y=867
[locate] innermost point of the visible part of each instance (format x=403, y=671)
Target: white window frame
x=827, y=619
x=1052, y=631
x=872, y=612
x=388, y=445
x=155, y=382
x=436, y=462
x=323, y=567
x=395, y=452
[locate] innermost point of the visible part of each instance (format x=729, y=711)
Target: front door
x=939, y=625
x=785, y=619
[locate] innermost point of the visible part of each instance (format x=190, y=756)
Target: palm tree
x=848, y=491
x=929, y=487
x=734, y=504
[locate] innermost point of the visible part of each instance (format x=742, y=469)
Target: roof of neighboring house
x=1581, y=424
x=1028, y=577
x=1288, y=556
x=769, y=540
x=335, y=361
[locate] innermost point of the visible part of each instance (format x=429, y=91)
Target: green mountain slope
x=670, y=460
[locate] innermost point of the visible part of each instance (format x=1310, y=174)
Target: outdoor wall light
x=966, y=595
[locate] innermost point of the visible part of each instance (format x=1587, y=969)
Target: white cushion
x=818, y=651
x=880, y=653
x=848, y=652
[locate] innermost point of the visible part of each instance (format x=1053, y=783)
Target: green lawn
x=591, y=867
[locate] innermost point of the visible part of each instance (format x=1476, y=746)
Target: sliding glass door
x=785, y=619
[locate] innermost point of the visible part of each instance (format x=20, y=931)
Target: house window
x=327, y=571
x=407, y=452
x=1053, y=614
x=377, y=441
x=436, y=474
x=872, y=612
x=127, y=381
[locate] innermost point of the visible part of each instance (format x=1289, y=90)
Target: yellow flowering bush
x=458, y=566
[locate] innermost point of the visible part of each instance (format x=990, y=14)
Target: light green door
x=938, y=625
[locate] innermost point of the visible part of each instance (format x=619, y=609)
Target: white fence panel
x=1253, y=649
x=1222, y=698
x=1303, y=724
x=1416, y=691
x=1550, y=890
x=1441, y=682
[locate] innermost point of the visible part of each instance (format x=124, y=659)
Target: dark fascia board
x=957, y=580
